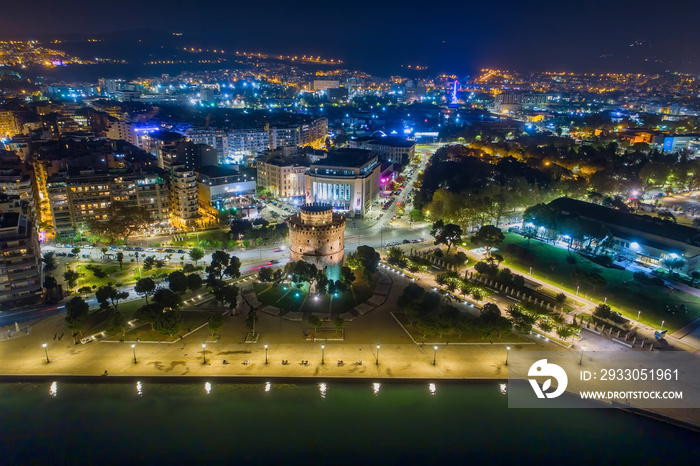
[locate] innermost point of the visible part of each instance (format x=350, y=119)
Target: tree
x=194, y=282
x=395, y=256
x=672, y=263
x=230, y=296
x=488, y=237
x=265, y=274
x=50, y=284
x=251, y=320
x=215, y=323
x=233, y=269
x=219, y=262
x=76, y=313
x=71, y=278
x=365, y=257
x=346, y=275
x=339, y=322
x=166, y=298
x=314, y=322
x=75, y=251
x=169, y=322
x=447, y=234
x=196, y=254
x=115, y=324
x=108, y=294
x=124, y=220
x=177, y=282
x=149, y=263
x=149, y=313
x=145, y=287
x=490, y=312
x=49, y=260
x=120, y=259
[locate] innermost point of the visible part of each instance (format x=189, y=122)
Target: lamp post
x=47, y=353
x=662, y=324
x=323, y=347
x=204, y=353
x=377, y=361
x=507, y=353
x=133, y=349
x=265, y=354
x=434, y=354
x=638, y=314
x=580, y=361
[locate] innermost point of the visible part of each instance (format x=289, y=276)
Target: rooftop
x=346, y=158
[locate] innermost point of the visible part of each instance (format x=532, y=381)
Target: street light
x=434, y=355
x=377, y=354
x=507, y=353
x=47, y=353
x=323, y=347
x=265, y=354
x=580, y=361
x=133, y=348
x=204, y=354
x=638, y=314
x=662, y=324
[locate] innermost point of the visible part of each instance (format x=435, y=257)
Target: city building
x=184, y=207
x=389, y=149
x=317, y=236
x=246, y=143
x=324, y=84
x=284, y=178
x=216, y=139
x=188, y=154
x=348, y=180
x=20, y=262
x=223, y=188
x=8, y=124
x=76, y=198
x=288, y=136
x=121, y=130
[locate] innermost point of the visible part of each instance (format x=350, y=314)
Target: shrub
x=561, y=298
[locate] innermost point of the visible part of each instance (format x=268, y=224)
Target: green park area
x=467, y=333
x=298, y=299
x=96, y=274
x=626, y=295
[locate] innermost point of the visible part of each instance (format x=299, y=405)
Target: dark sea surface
x=294, y=424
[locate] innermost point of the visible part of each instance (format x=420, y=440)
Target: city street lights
x=638, y=314
x=47, y=353
x=133, y=349
x=204, y=353
x=434, y=354
x=377, y=355
x=323, y=347
x=580, y=361
x=662, y=324
x=265, y=354
x=507, y=353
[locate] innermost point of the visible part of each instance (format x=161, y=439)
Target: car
x=86, y=340
x=70, y=254
x=170, y=251
x=151, y=250
x=273, y=262
x=277, y=250
x=160, y=250
x=61, y=254
x=128, y=248
x=406, y=241
x=138, y=249
x=180, y=251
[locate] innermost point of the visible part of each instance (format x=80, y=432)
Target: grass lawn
x=190, y=321
x=453, y=337
x=209, y=235
x=114, y=275
x=292, y=299
x=623, y=294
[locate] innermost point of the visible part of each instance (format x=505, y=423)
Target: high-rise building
x=243, y=143
x=285, y=179
x=184, y=207
x=20, y=262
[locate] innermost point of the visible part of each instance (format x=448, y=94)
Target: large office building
x=76, y=198
x=188, y=154
x=348, y=179
x=20, y=262
x=284, y=178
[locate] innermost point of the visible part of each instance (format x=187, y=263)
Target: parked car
x=180, y=251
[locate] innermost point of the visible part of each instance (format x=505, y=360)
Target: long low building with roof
x=641, y=238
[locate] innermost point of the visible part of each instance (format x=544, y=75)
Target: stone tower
x=317, y=236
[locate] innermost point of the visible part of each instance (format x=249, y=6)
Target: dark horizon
x=455, y=37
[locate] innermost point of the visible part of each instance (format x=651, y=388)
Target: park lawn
x=623, y=294
x=454, y=337
x=114, y=275
x=190, y=321
x=209, y=235
x=135, y=274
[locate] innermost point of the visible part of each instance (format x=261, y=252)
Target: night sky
x=448, y=36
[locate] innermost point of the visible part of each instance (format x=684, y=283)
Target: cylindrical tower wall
x=317, y=236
